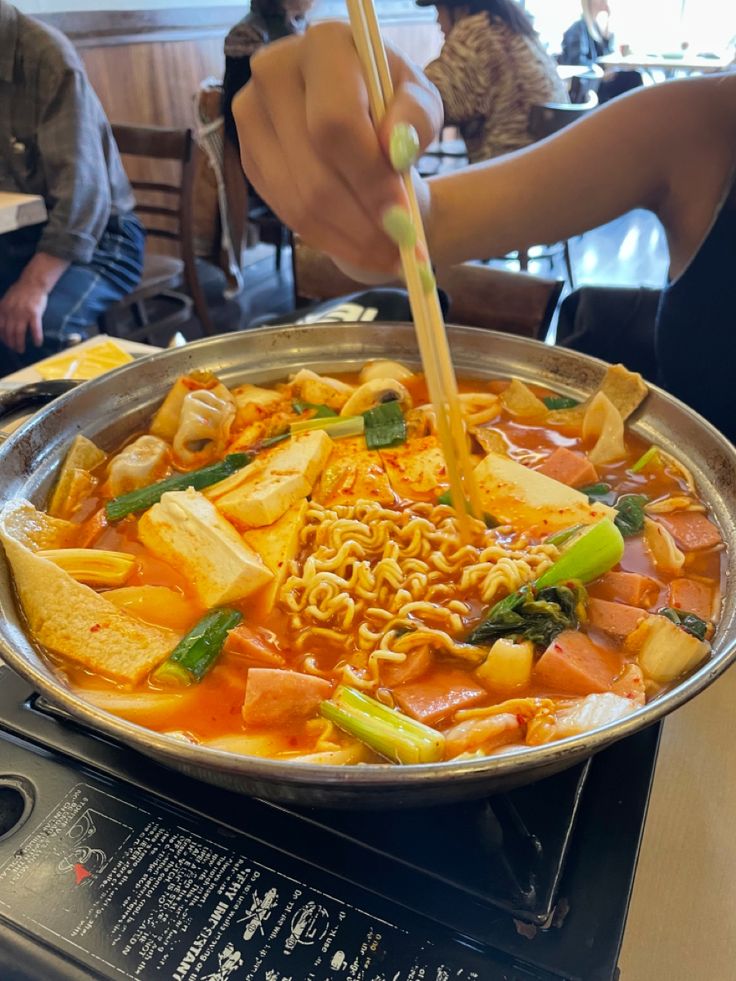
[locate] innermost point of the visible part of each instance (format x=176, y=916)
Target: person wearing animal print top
x=492, y=69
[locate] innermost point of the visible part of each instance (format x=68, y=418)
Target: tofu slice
x=531, y=501
x=353, y=473
x=416, y=469
x=255, y=404
x=186, y=530
x=277, y=545
x=259, y=494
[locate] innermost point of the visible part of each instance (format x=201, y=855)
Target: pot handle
x=34, y=395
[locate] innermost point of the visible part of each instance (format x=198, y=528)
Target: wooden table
x=647, y=62
x=20, y=210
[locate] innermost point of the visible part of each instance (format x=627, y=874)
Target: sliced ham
x=692, y=596
x=254, y=645
x=569, y=467
x=692, y=531
x=616, y=619
x=626, y=587
x=416, y=664
x=573, y=663
x=274, y=697
x=438, y=696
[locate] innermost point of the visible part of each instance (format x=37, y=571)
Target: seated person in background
x=56, y=279
x=589, y=39
x=266, y=21
x=492, y=69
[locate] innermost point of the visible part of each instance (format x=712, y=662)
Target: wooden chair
x=480, y=296
x=165, y=210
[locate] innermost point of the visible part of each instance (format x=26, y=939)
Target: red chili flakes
x=95, y=627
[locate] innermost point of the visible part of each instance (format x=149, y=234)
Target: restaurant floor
x=630, y=251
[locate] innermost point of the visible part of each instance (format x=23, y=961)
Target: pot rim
x=364, y=775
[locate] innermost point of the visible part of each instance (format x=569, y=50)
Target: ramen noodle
x=280, y=572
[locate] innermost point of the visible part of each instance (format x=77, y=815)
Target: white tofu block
x=277, y=545
x=531, y=501
x=259, y=494
x=187, y=531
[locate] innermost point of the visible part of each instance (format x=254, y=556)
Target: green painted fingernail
x=427, y=277
x=403, y=146
x=397, y=225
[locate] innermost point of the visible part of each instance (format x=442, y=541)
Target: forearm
x=44, y=271
x=610, y=162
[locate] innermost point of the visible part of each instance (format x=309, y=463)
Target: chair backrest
x=480, y=296
x=163, y=193
x=548, y=118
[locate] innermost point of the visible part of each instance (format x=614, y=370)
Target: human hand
x=309, y=147
x=22, y=309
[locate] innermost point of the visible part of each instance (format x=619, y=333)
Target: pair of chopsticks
x=425, y=307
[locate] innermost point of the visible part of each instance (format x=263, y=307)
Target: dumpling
x=142, y=462
x=204, y=427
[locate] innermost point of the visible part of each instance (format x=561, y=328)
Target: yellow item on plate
x=82, y=364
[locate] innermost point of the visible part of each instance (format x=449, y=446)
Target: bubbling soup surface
x=364, y=626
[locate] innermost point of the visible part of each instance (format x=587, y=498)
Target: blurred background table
x=20, y=210
x=668, y=63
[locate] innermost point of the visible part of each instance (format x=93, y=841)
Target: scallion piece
x=560, y=538
x=387, y=731
x=197, y=652
x=320, y=411
x=595, y=551
x=384, y=426
x=560, y=402
x=145, y=497
x=337, y=427
x=273, y=440
x=645, y=459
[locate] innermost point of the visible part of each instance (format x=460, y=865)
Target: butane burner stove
x=114, y=867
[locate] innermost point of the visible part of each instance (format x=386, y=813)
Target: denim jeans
x=84, y=291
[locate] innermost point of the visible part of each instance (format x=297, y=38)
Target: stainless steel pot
x=110, y=408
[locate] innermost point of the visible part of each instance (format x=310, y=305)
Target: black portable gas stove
x=112, y=866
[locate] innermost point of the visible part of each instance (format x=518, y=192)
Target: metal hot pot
x=108, y=409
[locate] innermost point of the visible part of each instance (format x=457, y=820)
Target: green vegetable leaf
x=600, y=492
x=384, y=426
x=535, y=615
x=320, y=411
x=560, y=402
x=630, y=517
x=689, y=622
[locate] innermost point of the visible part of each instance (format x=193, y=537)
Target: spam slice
x=186, y=530
x=72, y=620
x=259, y=494
x=277, y=545
x=274, y=697
x=528, y=499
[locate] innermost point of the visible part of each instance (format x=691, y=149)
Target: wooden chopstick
x=426, y=310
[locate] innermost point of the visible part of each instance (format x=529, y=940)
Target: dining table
x=668, y=62
x=20, y=210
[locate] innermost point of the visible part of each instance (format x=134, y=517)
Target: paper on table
x=81, y=365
